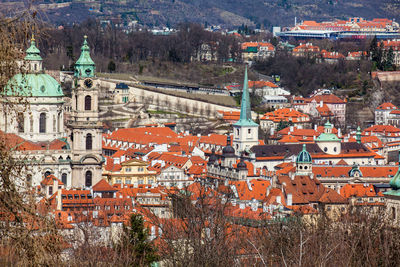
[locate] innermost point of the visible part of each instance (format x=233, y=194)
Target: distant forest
x=116, y=51
x=228, y=13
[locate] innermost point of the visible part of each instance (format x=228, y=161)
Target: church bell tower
x=84, y=126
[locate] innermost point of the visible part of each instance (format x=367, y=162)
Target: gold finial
x=33, y=37
x=85, y=36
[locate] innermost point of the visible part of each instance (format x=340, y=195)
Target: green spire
x=85, y=66
x=245, y=110
x=358, y=135
x=33, y=53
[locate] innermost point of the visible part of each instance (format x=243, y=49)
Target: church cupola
x=328, y=142
x=228, y=153
x=213, y=158
x=303, y=162
x=33, y=58
x=84, y=66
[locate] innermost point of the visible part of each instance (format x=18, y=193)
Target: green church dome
x=33, y=84
x=304, y=156
x=328, y=137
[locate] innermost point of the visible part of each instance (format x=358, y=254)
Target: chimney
x=291, y=129
x=315, y=127
x=339, y=133
x=249, y=185
x=321, y=103
x=278, y=199
x=59, y=202
x=289, y=200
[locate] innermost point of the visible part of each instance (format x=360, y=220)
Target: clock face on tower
x=88, y=83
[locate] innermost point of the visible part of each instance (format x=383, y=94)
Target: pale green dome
x=328, y=137
x=33, y=84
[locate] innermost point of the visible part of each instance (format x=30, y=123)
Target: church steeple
x=85, y=67
x=245, y=109
x=245, y=130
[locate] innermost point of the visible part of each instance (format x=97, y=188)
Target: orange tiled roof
x=386, y=106
x=261, y=84
x=326, y=98
x=49, y=180
x=358, y=190
x=286, y=114
x=103, y=186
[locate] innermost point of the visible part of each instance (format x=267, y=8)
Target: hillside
x=229, y=13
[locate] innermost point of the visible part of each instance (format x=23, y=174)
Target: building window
x=88, y=102
x=59, y=122
x=31, y=123
x=325, y=149
x=42, y=123
x=127, y=169
x=20, y=121
x=50, y=190
x=88, y=141
x=88, y=179
x=140, y=169
x=47, y=173
x=54, y=123
x=64, y=178
x=249, y=131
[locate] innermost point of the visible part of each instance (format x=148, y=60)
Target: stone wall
x=171, y=102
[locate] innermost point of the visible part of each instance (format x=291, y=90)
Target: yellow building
x=130, y=172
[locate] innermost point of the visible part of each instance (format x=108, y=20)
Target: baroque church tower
x=245, y=130
x=85, y=127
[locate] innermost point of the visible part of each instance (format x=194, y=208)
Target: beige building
x=133, y=171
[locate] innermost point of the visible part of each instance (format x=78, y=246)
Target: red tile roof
x=103, y=186
x=386, y=106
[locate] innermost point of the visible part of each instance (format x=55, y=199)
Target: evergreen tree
x=111, y=66
x=389, y=59
x=135, y=245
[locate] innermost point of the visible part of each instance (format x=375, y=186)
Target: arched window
x=47, y=173
x=64, y=179
x=59, y=122
x=88, y=179
x=31, y=123
x=88, y=102
x=76, y=102
x=21, y=122
x=42, y=123
x=88, y=141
